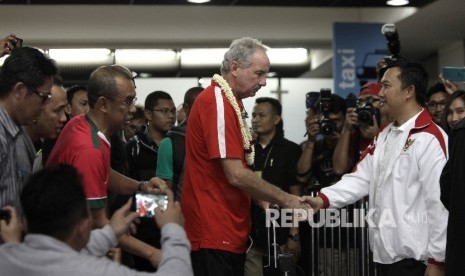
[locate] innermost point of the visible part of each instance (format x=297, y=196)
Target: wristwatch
x=294, y=237
x=141, y=186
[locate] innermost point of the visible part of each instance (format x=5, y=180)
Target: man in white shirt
x=400, y=172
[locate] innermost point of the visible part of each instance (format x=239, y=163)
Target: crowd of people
x=73, y=159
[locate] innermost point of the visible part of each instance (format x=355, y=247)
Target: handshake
x=299, y=206
x=301, y=209
x=307, y=202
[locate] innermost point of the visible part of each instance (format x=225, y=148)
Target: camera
x=327, y=126
x=366, y=113
x=147, y=203
x=393, y=43
x=311, y=98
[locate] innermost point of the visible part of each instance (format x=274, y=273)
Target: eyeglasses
x=44, y=95
x=128, y=101
x=166, y=111
x=435, y=105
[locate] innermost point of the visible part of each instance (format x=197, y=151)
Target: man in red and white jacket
x=400, y=172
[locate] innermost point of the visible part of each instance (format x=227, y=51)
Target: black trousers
x=405, y=267
x=212, y=262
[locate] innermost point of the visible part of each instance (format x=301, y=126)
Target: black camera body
x=366, y=113
x=327, y=126
x=311, y=98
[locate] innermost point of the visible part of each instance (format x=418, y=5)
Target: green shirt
x=165, y=160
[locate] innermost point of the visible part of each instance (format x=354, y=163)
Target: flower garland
x=245, y=131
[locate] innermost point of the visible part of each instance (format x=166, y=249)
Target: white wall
x=293, y=101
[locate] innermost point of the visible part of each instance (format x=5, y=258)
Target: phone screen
x=454, y=73
x=147, y=203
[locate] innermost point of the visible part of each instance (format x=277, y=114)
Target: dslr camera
x=364, y=111
x=327, y=126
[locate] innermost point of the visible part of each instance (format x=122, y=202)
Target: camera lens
x=365, y=117
x=327, y=126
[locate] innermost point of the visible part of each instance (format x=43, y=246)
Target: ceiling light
x=146, y=58
x=198, y=1
x=202, y=57
x=397, y=2
x=288, y=56
x=81, y=56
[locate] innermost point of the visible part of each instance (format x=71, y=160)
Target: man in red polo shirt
x=84, y=144
x=218, y=185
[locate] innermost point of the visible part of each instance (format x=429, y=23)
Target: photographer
x=362, y=123
x=315, y=170
x=323, y=131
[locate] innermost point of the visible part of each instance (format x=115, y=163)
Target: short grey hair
x=102, y=82
x=241, y=51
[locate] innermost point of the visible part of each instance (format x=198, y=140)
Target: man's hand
x=171, y=214
x=155, y=185
x=313, y=128
x=11, y=230
x=450, y=86
x=316, y=203
x=9, y=43
x=434, y=270
x=369, y=132
x=294, y=202
x=122, y=220
x=351, y=119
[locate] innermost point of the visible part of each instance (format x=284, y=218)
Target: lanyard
x=266, y=159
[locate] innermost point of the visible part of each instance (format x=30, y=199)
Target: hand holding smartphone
x=9, y=43
x=455, y=74
x=147, y=203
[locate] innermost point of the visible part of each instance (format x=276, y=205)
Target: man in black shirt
x=275, y=161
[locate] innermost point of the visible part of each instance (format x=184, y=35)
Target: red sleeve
x=221, y=128
x=325, y=200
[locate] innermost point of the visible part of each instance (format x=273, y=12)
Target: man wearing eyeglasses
x=84, y=144
x=26, y=79
x=142, y=153
x=436, y=101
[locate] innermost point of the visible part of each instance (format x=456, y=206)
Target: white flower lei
x=245, y=131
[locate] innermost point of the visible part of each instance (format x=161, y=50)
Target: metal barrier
x=337, y=251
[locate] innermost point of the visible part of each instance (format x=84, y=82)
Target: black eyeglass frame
x=126, y=102
x=44, y=95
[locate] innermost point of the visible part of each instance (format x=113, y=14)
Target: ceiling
x=280, y=3
x=173, y=24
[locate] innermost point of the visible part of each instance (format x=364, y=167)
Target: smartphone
x=147, y=203
x=454, y=73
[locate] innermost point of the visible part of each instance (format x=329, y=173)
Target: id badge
x=258, y=173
